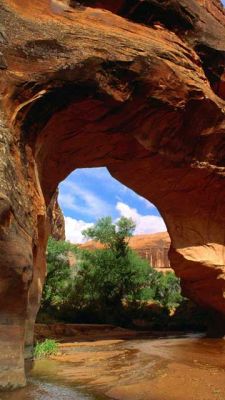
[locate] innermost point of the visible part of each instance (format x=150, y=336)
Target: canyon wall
x=154, y=248
x=136, y=86
x=151, y=247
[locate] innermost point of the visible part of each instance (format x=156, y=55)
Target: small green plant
x=45, y=349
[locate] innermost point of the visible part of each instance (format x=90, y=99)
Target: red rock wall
x=154, y=248
x=157, y=257
x=141, y=93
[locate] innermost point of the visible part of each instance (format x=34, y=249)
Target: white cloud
x=74, y=228
x=144, y=223
x=83, y=201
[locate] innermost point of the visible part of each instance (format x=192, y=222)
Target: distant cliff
x=153, y=247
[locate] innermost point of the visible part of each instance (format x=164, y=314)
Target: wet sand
x=163, y=369
x=166, y=368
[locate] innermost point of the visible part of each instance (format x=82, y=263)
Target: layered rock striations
x=154, y=248
x=136, y=86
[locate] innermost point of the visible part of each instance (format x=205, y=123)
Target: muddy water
x=44, y=390
x=45, y=384
x=166, y=368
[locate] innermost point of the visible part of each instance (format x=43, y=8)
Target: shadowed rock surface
x=138, y=88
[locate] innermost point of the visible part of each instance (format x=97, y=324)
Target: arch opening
x=88, y=129
x=92, y=193
x=93, y=130
x=85, y=196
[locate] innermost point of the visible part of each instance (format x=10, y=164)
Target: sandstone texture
x=56, y=219
x=152, y=247
x=136, y=86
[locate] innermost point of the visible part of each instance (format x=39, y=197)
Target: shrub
x=46, y=348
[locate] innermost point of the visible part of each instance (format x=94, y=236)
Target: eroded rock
x=56, y=218
x=86, y=87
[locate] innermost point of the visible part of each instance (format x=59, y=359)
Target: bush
x=45, y=349
x=166, y=289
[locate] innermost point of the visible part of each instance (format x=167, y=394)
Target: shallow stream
x=170, y=368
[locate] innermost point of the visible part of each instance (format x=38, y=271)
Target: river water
x=163, y=368
x=45, y=385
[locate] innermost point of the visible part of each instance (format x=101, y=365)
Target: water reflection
x=46, y=391
x=57, y=7
x=43, y=390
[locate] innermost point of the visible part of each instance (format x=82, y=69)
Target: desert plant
x=46, y=348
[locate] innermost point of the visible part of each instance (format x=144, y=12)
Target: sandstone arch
x=86, y=87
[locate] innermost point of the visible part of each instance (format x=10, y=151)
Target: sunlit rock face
x=138, y=88
x=56, y=219
x=153, y=248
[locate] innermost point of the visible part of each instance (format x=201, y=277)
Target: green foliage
x=114, y=236
x=106, y=279
x=45, y=349
x=164, y=288
x=107, y=285
x=103, y=231
x=115, y=273
x=168, y=290
x=58, y=278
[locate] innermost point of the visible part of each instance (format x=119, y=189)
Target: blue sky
x=88, y=194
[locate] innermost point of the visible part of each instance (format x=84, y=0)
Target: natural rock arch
x=83, y=87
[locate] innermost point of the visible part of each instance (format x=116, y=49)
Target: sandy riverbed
x=171, y=368
x=163, y=368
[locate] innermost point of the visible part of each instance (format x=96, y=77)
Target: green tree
x=113, y=236
x=109, y=279
x=119, y=273
x=116, y=272
x=107, y=283
x=168, y=290
x=58, y=279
